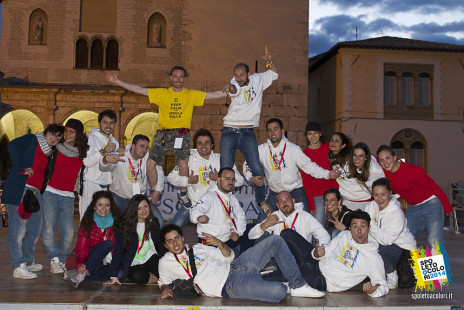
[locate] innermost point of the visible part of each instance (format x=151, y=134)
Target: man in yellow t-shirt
x=175, y=117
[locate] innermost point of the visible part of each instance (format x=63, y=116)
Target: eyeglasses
x=229, y=179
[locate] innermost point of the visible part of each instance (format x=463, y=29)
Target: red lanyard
x=143, y=241
x=187, y=265
x=227, y=210
x=281, y=158
x=293, y=224
x=133, y=170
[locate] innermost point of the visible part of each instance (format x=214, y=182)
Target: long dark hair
x=87, y=220
x=127, y=223
x=362, y=176
x=343, y=156
x=82, y=144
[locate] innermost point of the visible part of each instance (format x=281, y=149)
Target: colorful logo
x=431, y=268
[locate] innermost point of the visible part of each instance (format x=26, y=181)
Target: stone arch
x=82, y=53
x=156, y=35
x=88, y=118
x=38, y=27
x=19, y=122
x=414, y=146
x=143, y=123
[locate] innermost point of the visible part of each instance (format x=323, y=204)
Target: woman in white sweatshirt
x=389, y=228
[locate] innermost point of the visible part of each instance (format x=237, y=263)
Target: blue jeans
x=123, y=202
x=320, y=209
x=429, y=215
x=243, y=139
x=390, y=255
x=58, y=210
x=23, y=234
x=308, y=266
x=298, y=194
x=245, y=282
x=94, y=263
x=182, y=217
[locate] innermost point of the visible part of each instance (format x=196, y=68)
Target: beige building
x=403, y=92
x=58, y=54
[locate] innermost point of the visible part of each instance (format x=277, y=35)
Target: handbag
x=182, y=288
x=406, y=278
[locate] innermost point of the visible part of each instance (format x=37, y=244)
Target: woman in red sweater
x=62, y=172
x=95, y=242
x=318, y=152
x=426, y=200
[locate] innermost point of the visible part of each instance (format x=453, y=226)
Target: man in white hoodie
x=218, y=212
x=195, y=179
x=389, y=228
x=101, y=142
x=289, y=219
x=282, y=161
x=344, y=262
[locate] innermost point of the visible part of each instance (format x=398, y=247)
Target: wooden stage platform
x=49, y=291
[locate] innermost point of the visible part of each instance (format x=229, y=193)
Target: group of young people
x=121, y=233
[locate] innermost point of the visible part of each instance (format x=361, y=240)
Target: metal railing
x=456, y=198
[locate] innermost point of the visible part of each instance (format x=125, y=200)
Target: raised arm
x=112, y=78
x=268, y=59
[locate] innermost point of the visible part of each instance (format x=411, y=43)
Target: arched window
x=82, y=54
x=96, y=54
x=389, y=88
x=417, y=154
x=411, y=145
x=38, y=27
x=399, y=149
x=112, y=54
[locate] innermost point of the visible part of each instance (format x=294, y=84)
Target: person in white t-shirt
x=219, y=275
x=246, y=92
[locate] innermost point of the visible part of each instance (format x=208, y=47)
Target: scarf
x=103, y=222
x=68, y=150
x=46, y=149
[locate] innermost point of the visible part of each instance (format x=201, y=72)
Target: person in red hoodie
x=95, y=242
x=426, y=200
x=315, y=188
x=61, y=176
x=29, y=155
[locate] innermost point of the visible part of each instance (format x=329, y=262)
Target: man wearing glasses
x=218, y=212
x=195, y=179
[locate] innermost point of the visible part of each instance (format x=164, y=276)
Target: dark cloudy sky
x=332, y=21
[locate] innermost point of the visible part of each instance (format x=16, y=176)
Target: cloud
x=320, y=43
x=399, y=6
x=341, y=27
x=435, y=28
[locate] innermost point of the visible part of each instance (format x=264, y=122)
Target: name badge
x=178, y=143
x=135, y=188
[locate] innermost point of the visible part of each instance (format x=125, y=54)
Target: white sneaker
x=392, y=280
x=306, y=291
x=56, y=266
x=288, y=287
x=68, y=274
x=77, y=279
x=21, y=272
x=34, y=267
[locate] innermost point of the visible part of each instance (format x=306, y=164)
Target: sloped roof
x=391, y=43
